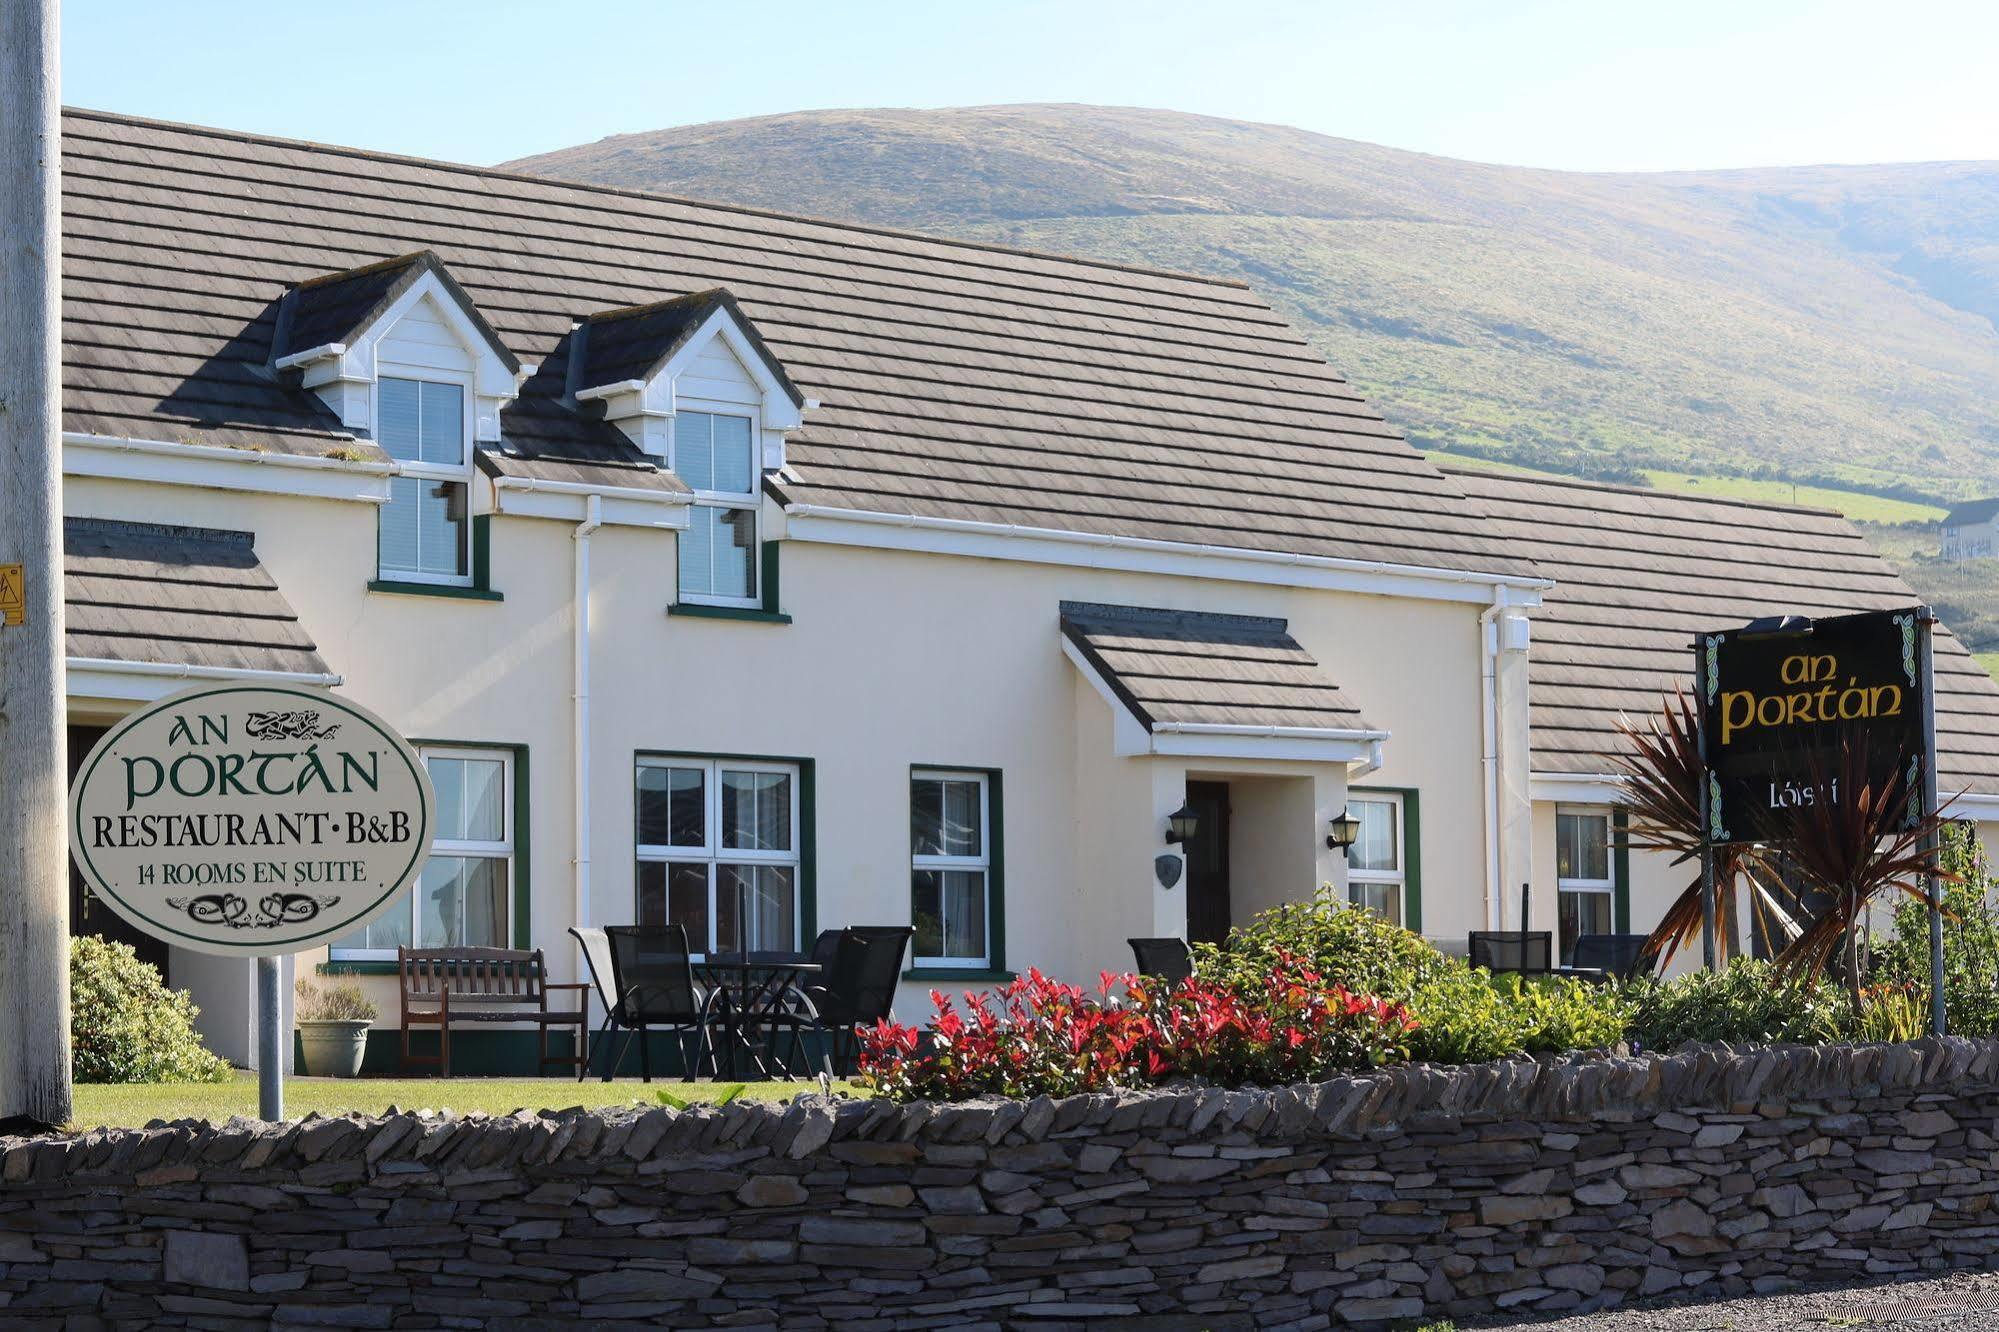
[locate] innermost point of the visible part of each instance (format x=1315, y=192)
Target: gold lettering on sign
x=1744, y=709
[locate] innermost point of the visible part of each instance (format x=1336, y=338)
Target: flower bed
x=1044, y=1037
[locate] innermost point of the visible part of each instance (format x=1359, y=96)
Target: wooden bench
x=441, y=986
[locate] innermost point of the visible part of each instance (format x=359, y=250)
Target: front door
x=87, y=912
x=1208, y=863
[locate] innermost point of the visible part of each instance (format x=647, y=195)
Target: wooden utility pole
x=34, y=849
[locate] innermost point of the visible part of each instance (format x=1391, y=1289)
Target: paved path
x=1916, y=1306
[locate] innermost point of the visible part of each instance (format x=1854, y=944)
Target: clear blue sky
x=1582, y=84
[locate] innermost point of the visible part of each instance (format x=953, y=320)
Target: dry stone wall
x=1529, y=1186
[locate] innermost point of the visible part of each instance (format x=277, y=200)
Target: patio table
x=751, y=994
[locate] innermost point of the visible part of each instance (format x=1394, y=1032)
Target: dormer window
x=402, y=356
x=423, y=529
x=692, y=385
x=716, y=455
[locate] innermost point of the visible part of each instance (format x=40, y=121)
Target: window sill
x=359, y=967
x=957, y=974
x=433, y=590
x=750, y=614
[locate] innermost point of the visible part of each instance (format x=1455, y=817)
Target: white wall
x=893, y=660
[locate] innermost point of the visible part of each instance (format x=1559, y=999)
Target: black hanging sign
x=1777, y=696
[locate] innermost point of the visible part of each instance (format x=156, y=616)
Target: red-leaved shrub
x=1040, y=1036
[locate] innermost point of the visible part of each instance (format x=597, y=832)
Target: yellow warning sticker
x=13, y=594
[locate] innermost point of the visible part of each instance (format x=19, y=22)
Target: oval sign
x=251, y=819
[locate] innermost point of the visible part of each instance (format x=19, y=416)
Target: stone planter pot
x=333, y=1048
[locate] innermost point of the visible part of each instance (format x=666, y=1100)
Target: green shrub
x=1744, y=1002
x=330, y=1003
x=1559, y=1013
x=1970, y=939
x=126, y=1025
x=1347, y=945
x=1464, y=1014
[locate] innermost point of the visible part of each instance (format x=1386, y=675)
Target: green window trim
x=768, y=610
x=523, y=896
x=1412, y=849
x=1620, y=870
x=995, y=968
x=748, y=614
x=481, y=587
x=808, y=826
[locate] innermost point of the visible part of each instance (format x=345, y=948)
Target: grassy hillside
x=1831, y=326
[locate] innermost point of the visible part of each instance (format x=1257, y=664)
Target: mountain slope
x=1830, y=322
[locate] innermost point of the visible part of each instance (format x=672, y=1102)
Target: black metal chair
x=1163, y=959
x=859, y=988
x=1528, y=952
x=1611, y=956
x=651, y=985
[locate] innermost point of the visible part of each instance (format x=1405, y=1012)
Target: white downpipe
x=593, y=518
x=1488, y=692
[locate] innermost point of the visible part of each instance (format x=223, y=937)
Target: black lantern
x=1181, y=825
x=1342, y=832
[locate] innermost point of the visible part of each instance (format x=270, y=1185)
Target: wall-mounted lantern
x=1342, y=832
x=1181, y=825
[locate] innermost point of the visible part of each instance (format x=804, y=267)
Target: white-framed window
x=950, y=868
x=1583, y=879
x=423, y=534
x=718, y=851
x=1377, y=862
x=464, y=896
x=715, y=453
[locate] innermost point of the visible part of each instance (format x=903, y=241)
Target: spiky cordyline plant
x=1869, y=840
x=1661, y=765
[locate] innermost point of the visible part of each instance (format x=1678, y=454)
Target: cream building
x=767, y=574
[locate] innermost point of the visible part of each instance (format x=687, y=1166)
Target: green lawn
x=1990, y=661
x=1854, y=504
x=102, y=1105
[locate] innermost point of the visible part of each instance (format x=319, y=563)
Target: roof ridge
x=495, y=173
x=364, y=270
x=1624, y=488
x=169, y=531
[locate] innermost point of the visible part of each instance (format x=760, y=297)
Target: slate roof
x=190, y=596
x=1639, y=572
x=338, y=307
x=957, y=380
x=1975, y=511
x=1176, y=666
x=615, y=346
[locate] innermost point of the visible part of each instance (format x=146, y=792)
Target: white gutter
x=593, y=518
x=162, y=448
x=611, y=390
x=311, y=354
x=590, y=491
x=1014, y=532
x=179, y=671
x=1272, y=732
x=1488, y=712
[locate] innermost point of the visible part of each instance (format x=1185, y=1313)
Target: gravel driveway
x=1960, y=1302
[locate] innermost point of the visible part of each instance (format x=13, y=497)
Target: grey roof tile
x=1638, y=573
x=1193, y=667
x=956, y=380
x=183, y=596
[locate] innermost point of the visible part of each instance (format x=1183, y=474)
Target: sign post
x=1777, y=698
x=252, y=821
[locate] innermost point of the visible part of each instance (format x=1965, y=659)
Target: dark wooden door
x=87, y=913
x=1208, y=863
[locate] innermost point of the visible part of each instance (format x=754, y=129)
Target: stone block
x=211, y=1261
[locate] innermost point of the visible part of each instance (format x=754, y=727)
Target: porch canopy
x=158, y=600
x=1209, y=685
